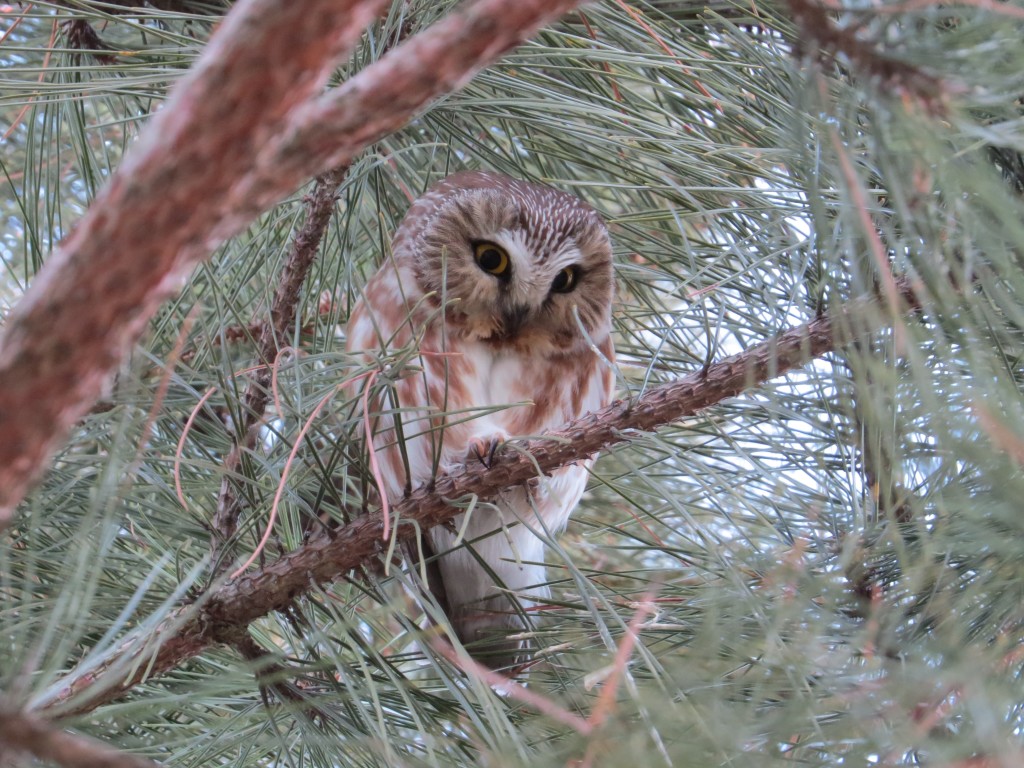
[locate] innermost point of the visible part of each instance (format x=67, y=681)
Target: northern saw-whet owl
x=506, y=286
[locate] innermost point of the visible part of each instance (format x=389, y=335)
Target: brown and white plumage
x=506, y=289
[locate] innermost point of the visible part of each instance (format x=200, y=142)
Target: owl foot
x=483, y=449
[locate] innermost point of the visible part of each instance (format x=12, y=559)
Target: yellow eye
x=492, y=258
x=564, y=281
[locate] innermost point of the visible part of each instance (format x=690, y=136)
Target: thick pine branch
x=225, y=612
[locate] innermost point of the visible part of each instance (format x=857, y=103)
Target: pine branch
x=815, y=24
x=28, y=734
x=177, y=196
x=225, y=612
x=273, y=336
x=80, y=34
x=270, y=677
x=331, y=130
x=157, y=217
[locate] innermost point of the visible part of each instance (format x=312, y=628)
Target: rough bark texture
x=226, y=611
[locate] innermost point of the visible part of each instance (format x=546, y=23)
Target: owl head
x=513, y=263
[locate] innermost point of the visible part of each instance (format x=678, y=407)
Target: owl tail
x=484, y=589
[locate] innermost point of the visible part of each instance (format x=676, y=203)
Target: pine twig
x=815, y=24
x=273, y=336
x=236, y=334
x=81, y=36
x=233, y=606
x=269, y=676
x=21, y=732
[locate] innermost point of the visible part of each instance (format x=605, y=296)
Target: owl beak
x=514, y=317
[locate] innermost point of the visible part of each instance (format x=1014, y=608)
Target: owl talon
x=485, y=448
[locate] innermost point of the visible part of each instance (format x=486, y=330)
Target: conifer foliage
x=802, y=540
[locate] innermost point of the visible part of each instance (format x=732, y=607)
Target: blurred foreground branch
x=224, y=612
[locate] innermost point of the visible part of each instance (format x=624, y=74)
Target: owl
x=504, y=290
